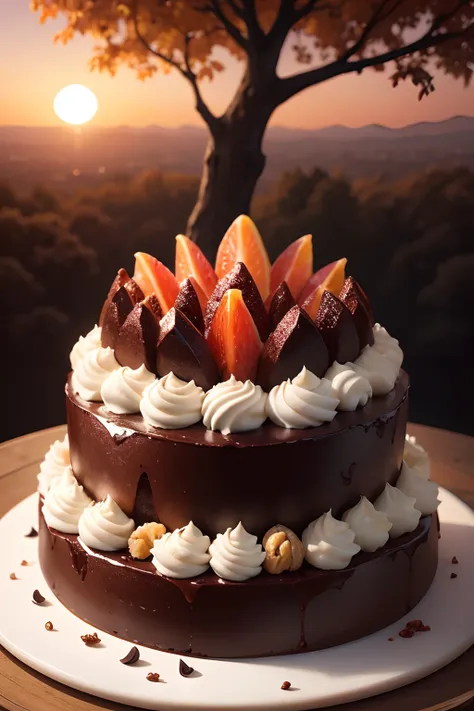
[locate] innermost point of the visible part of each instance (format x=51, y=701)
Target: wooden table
x=22, y=689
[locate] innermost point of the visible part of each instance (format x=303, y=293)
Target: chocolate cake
x=236, y=479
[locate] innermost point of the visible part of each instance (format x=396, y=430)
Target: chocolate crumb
x=390, y=639
x=406, y=633
x=38, y=598
x=454, y=575
x=415, y=625
x=454, y=560
x=425, y=628
x=185, y=669
x=286, y=685
x=153, y=676
x=49, y=626
x=32, y=534
x=132, y=657
x=90, y=639
x=13, y=576
x=24, y=562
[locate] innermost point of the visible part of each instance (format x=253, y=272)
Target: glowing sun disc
x=75, y=104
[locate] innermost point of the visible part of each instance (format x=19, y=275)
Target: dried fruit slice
x=351, y=283
x=115, y=315
x=295, y=342
x=281, y=303
x=191, y=262
x=136, y=341
x=350, y=295
x=154, y=278
x=313, y=302
x=239, y=278
x=331, y=277
x=294, y=266
x=233, y=338
x=337, y=327
x=242, y=243
x=183, y=350
x=188, y=303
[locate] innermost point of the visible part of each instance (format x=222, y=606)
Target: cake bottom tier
x=268, y=615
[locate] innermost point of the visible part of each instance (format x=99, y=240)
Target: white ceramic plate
x=352, y=671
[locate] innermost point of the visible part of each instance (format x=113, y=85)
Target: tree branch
x=215, y=8
x=376, y=18
x=249, y=16
x=206, y=114
x=292, y=85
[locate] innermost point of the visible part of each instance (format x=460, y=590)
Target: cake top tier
x=244, y=318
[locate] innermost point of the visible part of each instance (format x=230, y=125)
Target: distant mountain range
x=64, y=158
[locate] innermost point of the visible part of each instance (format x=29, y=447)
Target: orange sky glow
x=33, y=70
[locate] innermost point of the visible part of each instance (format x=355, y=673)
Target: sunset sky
x=33, y=70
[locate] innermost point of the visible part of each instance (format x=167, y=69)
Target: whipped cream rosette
x=234, y=406
x=305, y=401
x=236, y=555
x=182, y=553
x=65, y=502
x=328, y=543
x=105, y=526
x=53, y=464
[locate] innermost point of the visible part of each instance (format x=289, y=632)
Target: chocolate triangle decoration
x=240, y=278
x=280, y=304
x=188, y=303
x=337, y=327
x=118, y=310
x=354, y=298
x=184, y=351
x=120, y=280
x=136, y=340
x=295, y=342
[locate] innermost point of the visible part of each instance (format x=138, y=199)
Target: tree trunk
x=233, y=164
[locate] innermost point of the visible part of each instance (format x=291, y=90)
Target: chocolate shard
x=38, y=598
x=295, y=342
x=338, y=329
x=32, y=533
x=240, y=278
x=188, y=303
x=132, y=657
x=280, y=304
x=185, y=669
x=120, y=280
x=352, y=296
x=136, y=341
x=183, y=350
x=118, y=310
x=135, y=293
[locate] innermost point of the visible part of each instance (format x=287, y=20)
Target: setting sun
x=75, y=104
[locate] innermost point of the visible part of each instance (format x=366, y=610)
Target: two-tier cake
x=236, y=479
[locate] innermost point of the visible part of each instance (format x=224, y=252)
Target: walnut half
x=141, y=541
x=284, y=550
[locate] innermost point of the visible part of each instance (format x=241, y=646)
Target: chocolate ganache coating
x=268, y=476
x=270, y=614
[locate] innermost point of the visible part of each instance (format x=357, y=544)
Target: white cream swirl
x=305, y=401
x=387, y=345
x=236, y=555
x=377, y=369
x=183, y=553
x=234, y=406
x=171, y=403
x=328, y=543
x=371, y=527
x=53, y=464
x=91, y=372
x=123, y=389
x=64, y=503
x=424, y=491
x=85, y=344
x=399, y=509
x=416, y=457
x=105, y=526
x=350, y=388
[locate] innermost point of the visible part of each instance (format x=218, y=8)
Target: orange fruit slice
x=191, y=262
x=331, y=277
x=154, y=278
x=313, y=302
x=233, y=338
x=294, y=266
x=242, y=243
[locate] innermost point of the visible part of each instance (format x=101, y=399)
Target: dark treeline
x=410, y=243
